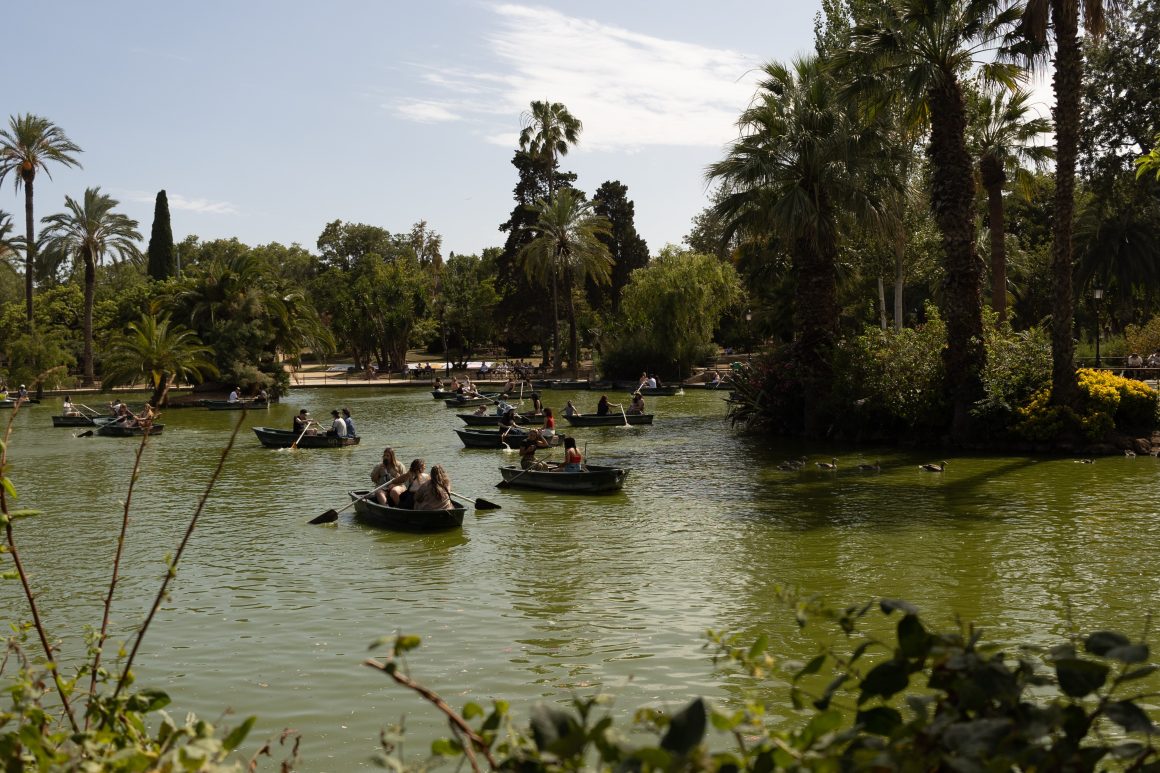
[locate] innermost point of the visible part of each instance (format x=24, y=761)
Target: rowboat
x=492, y=420
x=490, y=438
x=12, y=403
x=370, y=512
x=560, y=383
x=284, y=438
x=595, y=480
x=120, y=430
x=442, y=394
x=466, y=402
x=237, y=405
x=609, y=420
x=80, y=421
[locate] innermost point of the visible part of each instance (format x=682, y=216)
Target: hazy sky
x=266, y=120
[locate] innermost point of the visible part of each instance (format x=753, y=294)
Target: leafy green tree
x=1063, y=17
x=91, y=230
x=627, y=249
x=156, y=351
x=1000, y=136
x=162, y=263
x=668, y=313
x=468, y=303
x=803, y=159
x=913, y=54
x=28, y=145
x=568, y=246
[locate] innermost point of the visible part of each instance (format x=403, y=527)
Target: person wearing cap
x=338, y=426
x=348, y=421
x=234, y=397
x=637, y=403
x=23, y=393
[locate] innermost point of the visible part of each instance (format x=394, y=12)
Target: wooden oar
x=480, y=503
x=294, y=445
x=508, y=483
x=330, y=516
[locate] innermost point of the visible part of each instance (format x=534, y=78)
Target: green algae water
x=551, y=595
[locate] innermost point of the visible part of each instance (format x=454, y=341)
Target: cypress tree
x=162, y=264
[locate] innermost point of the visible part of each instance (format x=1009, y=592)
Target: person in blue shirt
x=349, y=422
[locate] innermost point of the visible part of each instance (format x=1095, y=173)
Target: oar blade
x=86, y=433
x=503, y=484
x=330, y=516
x=483, y=504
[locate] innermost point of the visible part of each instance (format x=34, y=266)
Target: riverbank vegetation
x=901, y=166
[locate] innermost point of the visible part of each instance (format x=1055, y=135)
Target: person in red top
x=549, y=428
x=573, y=460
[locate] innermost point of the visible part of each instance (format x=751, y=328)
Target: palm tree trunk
x=991, y=171
x=90, y=288
x=29, y=248
x=815, y=324
x=952, y=203
x=556, y=353
x=899, y=281
x=160, y=391
x=1068, y=72
x=881, y=302
x=573, y=338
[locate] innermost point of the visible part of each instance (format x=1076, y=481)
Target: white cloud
x=630, y=90
x=183, y=204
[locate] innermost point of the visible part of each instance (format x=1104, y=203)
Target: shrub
x=1107, y=403
x=1143, y=339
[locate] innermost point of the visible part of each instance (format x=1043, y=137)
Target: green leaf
x=825, y=722
x=880, y=720
x=759, y=646
x=1100, y=642
x=1078, y=678
x=913, y=639
x=25, y=513
x=7, y=483
x=885, y=679
x=1139, y=673
x=1132, y=653
x=686, y=729
x=147, y=701
x=549, y=725
x=406, y=643
x=472, y=710
x=811, y=668
x=889, y=605
x=821, y=704
x=1129, y=716
x=445, y=747
x=238, y=734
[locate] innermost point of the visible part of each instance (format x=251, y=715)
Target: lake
x=551, y=595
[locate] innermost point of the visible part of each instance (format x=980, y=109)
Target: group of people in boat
x=412, y=488
x=535, y=441
x=21, y=393
x=341, y=424
x=603, y=407
x=122, y=415
x=262, y=398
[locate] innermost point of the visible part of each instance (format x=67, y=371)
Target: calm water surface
x=550, y=595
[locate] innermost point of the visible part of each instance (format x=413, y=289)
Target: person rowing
x=532, y=443
x=404, y=487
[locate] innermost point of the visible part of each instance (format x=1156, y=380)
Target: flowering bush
x=1107, y=403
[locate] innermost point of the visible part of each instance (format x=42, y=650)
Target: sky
x=266, y=119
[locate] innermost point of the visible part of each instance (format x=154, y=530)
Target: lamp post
x=748, y=333
x=1097, y=296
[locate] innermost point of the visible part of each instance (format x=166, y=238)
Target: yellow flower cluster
x=1107, y=402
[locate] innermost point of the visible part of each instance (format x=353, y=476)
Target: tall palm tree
x=155, y=351
x=28, y=145
x=90, y=230
x=914, y=54
x=549, y=130
x=1063, y=17
x=568, y=245
x=1001, y=135
x=804, y=159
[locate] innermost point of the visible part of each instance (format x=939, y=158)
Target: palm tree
x=1000, y=137
x=1063, y=17
x=155, y=351
x=914, y=54
x=803, y=159
x=26, y=146
x=90, y=230
x=568, y=244
x=549, y=130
